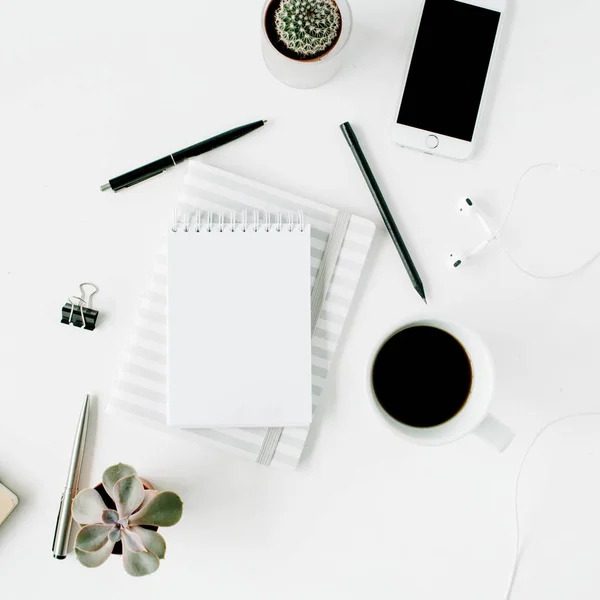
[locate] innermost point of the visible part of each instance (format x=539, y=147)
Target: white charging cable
x=539, y=434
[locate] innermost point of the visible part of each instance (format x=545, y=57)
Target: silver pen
x=62, y=533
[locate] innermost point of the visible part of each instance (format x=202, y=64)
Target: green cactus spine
x=308, y=27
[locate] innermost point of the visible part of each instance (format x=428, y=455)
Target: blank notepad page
x=239, y=326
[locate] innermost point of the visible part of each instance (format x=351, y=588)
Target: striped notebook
x=340, y=243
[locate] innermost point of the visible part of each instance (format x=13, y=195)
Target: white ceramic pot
x=307, y=73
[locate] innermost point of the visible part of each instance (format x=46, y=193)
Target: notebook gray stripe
x=319, y=372
x=141, y=392
x=346, y=263
x=339, y=300
x=160, y=278
x=141, y=411
x=156, y=296
x=341, y=280
x=145, y=373
x=151, y=315
x=326, y=335
x=152, y=336
x=151, y=355
x=331, y=317
x=321, y=352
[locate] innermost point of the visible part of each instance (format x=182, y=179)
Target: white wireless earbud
x=466, y=207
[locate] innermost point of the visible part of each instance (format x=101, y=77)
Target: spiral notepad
x=339, y=244
x=239, y=337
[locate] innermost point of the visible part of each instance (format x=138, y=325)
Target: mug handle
x=495, y=432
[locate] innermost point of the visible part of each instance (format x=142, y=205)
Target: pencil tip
x=264, y=121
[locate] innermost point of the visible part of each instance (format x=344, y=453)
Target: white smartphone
x=446, y=80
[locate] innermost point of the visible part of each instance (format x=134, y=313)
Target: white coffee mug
x=474, y=416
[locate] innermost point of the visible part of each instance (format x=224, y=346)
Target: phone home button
x=432, y=141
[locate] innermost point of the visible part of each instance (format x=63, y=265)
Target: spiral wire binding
x=206, y=221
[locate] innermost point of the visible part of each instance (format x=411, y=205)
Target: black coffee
x=422, y=376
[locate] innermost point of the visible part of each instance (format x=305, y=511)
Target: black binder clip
x=78, y=310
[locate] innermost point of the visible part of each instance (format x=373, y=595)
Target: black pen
x=162, y=164
x=386, y=215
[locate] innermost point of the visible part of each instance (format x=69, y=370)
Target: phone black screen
x=449, y=68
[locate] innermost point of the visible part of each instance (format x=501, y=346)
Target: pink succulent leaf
x=139, y=564
x=110, y=517
x=148, y=495
x=128, y=495
x=132, y=541
x=87, y=507
x=92, y=537
x=113, y=474
x=95, y=558
x=152, y=540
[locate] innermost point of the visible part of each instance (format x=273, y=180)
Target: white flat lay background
x=88, y=92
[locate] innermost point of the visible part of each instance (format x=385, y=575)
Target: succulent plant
x=308, y=27
x=103, y=527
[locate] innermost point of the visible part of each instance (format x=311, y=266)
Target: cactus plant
x=308, y=27
x=102, y=527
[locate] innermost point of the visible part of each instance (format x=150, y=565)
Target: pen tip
x=265, y=121
x=105, y=187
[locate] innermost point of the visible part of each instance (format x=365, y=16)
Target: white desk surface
x=88, y=92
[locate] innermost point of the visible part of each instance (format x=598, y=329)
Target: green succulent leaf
x=139, y=564
x=114, y=535
x=113, y=474
x=87, y=507
x=152, y=540
x=95, y=558
x=128, y=495
x=163, y=510
x=92, y=537
x=110, y=517
x=132, y=541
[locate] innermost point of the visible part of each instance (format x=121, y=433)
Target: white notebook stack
x=178, y=372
